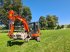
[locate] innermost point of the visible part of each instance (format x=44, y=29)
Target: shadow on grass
x=11, y=43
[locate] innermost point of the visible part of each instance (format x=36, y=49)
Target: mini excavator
x=32, y=30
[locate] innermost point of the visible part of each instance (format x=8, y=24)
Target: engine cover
x=20, y=35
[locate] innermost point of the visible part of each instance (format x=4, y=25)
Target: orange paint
x=11, y=15
x=35, y=35
x=18, y=17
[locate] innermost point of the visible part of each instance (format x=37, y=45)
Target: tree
x=52, y=21
x=62, y=26
x=17, y=7
x=42, y=22
x=4, y=13
x=58, y=27
x=3, y=17
x=27, y=13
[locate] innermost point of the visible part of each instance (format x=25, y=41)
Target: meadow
x=51, y=41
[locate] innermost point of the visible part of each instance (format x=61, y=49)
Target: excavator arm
x=24, y=22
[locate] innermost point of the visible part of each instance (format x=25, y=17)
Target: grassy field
x=51, y=41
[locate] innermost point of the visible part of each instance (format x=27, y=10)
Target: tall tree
x=17, y=5
x=52, y=21
x=42, y=22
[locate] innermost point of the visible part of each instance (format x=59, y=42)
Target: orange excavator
x=32, y=32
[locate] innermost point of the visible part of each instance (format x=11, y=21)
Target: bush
x=68, y=26
x=62, y=26
x=43, y=28
x=58, y=27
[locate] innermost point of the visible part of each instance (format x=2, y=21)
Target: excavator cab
x=35, y=31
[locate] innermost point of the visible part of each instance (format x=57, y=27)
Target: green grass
x=51, y=41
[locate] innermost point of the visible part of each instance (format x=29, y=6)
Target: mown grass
x=51, y=41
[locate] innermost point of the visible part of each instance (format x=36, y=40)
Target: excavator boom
x=24, y=22
x=13, y=17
